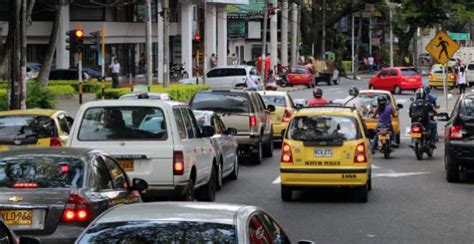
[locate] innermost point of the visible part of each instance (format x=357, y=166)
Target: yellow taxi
x=435, y=78
x=284, y=109
x=366, y=102
x=33, y=128
x=326, y=147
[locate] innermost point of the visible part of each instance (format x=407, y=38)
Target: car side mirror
x=271, y=108
x=139, y=185
x=442, y=116
x=399, y=106
x=28, y=240
x=207, y=131
x=231, y=131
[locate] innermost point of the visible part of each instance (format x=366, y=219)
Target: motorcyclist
x=432, y=100
x=420, y=111
x=318, y=99
x=384, y=113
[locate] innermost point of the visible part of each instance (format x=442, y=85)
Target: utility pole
x=149, y=50
x=205, y=62
x=323, y=34
x=284, y=33
x=264, y=43
x=274, y=37
x=391, y=33
x=294, y=33
x=166, y=48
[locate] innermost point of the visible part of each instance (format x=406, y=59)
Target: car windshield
x=366, y=102
x=409, y=72
x=157, y=232
x=298, y=70
x=25, y=127
x=323, y=128
x=439, y=70
x=41, y=171
x=123, y=123
x=224, y=102
x=277, y=101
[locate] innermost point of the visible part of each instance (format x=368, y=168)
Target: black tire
x=418, y=151
x=220, y=176
x=207, y=193
x=397, y=90
x=362, y=194
x=257, y=158
x=268, y=148
x=286, y=193
x=190, y=193
x=386, y=151
x=429, y=152
x=452, y=169
x=369, y=182
x=235, y=172
x=397, y=139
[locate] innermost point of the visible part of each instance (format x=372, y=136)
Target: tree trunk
x=404, y=41
x=357, y=47
x=53, y=38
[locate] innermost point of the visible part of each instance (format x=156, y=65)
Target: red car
x=301, y=75
x=396, y=80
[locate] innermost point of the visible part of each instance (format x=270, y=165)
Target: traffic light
x=96, y=40
x=79, y=38
x=71, y=41
x=197, y=41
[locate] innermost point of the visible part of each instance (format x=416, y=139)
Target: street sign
x=442, y=47
x=460, y=36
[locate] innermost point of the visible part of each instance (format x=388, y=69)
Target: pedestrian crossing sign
x=442, y=47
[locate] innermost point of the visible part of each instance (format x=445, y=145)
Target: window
x=118, y=177
x=64, y=123
x=323, y=128
x=257, y=232
x=179, y=123
x=253, y=71
x=383, y=73
x=393, y=72
x=215, y=125
x=277, y=233
x=28, y=128
x=102, y=177
x=4, y=234
x=196, y=130
x=278, y=101
x=470, y=67
x=214, y=73
x=220, y=124
x=409, y=72
x=230, y=102
x=187, y=123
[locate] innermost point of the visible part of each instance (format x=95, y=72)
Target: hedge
x=62, y=90
x=36, y=97
x=180, y=92
x=87, y=86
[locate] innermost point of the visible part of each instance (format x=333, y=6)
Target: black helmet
x=382, y=100
x=317, y=92
x=354, y=91
x=420, y=93
x=427, y=90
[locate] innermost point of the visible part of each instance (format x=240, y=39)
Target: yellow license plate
x=17, y=217
x=384, y=137
x=297, y=76
x=126, y=164
x=416, y=135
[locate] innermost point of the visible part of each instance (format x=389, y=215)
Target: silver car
x=224, y=143
x=184, y=222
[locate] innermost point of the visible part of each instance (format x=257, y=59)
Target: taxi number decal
x=322, y=163
x=349, y=176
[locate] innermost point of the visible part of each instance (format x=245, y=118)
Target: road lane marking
x=375, y=166
x=277, y=181
x=396, y=175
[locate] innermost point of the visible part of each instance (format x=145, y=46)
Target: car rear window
x=409, y=72
x=277, y=101
x=323, y=128
x=367, y=102
x=467, y=106
x=26, y=128
x=224, y=102
x=123, y=123
x=158, y=232
x=41, y=171
x=298, y=70
x=439, y=70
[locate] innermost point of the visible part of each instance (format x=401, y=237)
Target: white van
x=158, y=141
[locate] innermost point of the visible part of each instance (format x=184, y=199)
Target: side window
x=260, y=101
x=383, y=73
x=274, y=229
x=213, y=73
x=102, y=177
x=215, y=125
x=255, y=105
x=240, y=72
x=257, y=232
x=253, y=71
x=393, y=72
x=187, y=123
x=64, y=123
x=194, y=124
x=4, y=234
x=179, y=123
x=227, y=72
x=118, y=176
x=221, y=125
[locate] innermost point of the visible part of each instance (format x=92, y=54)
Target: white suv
x=158, y=141
x=228, y=77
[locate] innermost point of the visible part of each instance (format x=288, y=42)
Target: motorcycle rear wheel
x=386, y=150
x=418, y=151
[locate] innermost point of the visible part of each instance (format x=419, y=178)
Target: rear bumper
x=410, y=85
x=336, y=177
x=166, y=191
x=461, y=153
x=63, y=234
x=437, y=83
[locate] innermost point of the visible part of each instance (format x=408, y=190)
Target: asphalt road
x=411, y=201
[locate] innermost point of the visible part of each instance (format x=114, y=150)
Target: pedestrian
x=213, y=60
x=461, y=80
x=234, y=59
x=141, y=63
x=370, y=61
x=115, y=70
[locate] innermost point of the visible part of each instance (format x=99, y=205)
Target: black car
x=459, y=135
x=52, y=194
x=68, y=74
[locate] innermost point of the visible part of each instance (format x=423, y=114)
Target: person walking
x=461, y=80
x=115, y=70
x=213, y=60
x=370, y=61
x=141, y=63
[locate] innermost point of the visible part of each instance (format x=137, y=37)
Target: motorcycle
x=420, y=142
x=383, y=136
x=178, y=71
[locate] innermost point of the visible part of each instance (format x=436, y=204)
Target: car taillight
x=430, y=77
x=452, y=77
x=456, y=132
x=77, y=209
x=286, y=116
x=415, y=128
x=178, y=163
x=25, y=185
x=286, y=156
x=252, y=121
x=55, y=142
x=360, y=155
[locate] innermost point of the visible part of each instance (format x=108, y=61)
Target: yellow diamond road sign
x=442, y=47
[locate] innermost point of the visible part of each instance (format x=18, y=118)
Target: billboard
x=229, y=1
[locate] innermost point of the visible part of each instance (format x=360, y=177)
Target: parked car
x=32, y=70
x=458, y=145
x=326, y=147
x=224, y=144
x=284, y=109
x=435, y=78
x=148, y=95
x=54, y=193
x=8, y=237
x=301, y=75
x=68, y=74
x=158, y=141
x=93, y=73
x=245, y=111
x=228, y=77
x=396, y=80
x=470, y=74
x=166, y=222
x=34, y=128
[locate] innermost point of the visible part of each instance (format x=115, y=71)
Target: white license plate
x=325, y=153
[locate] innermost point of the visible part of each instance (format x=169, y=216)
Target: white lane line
x=396, y=175
x=277, y=181
x=375, y=166
x=402, y=101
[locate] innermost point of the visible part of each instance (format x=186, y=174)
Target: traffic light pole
x=79, y=69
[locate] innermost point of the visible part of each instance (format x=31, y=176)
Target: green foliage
x=39, y=97
x=180, y=92
x=62, y=90
x=3, y=100
x=87, y=87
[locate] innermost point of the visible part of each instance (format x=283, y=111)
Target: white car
x=228, y=77
x=470, y=74
x=158, y=141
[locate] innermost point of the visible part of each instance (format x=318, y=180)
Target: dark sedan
x=53, y=194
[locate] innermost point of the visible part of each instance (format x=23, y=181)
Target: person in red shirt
x=318, y=99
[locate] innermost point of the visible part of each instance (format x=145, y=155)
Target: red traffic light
x=197, y=37
x=79, y=33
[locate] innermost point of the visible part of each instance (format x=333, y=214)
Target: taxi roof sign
x=442, y=47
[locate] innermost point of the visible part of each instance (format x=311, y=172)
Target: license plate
x=297, y=76
x=416, y=135
x=17, y=217
x=412, y=79
x=325, y=153
x=126, y=164
x=384, y=137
